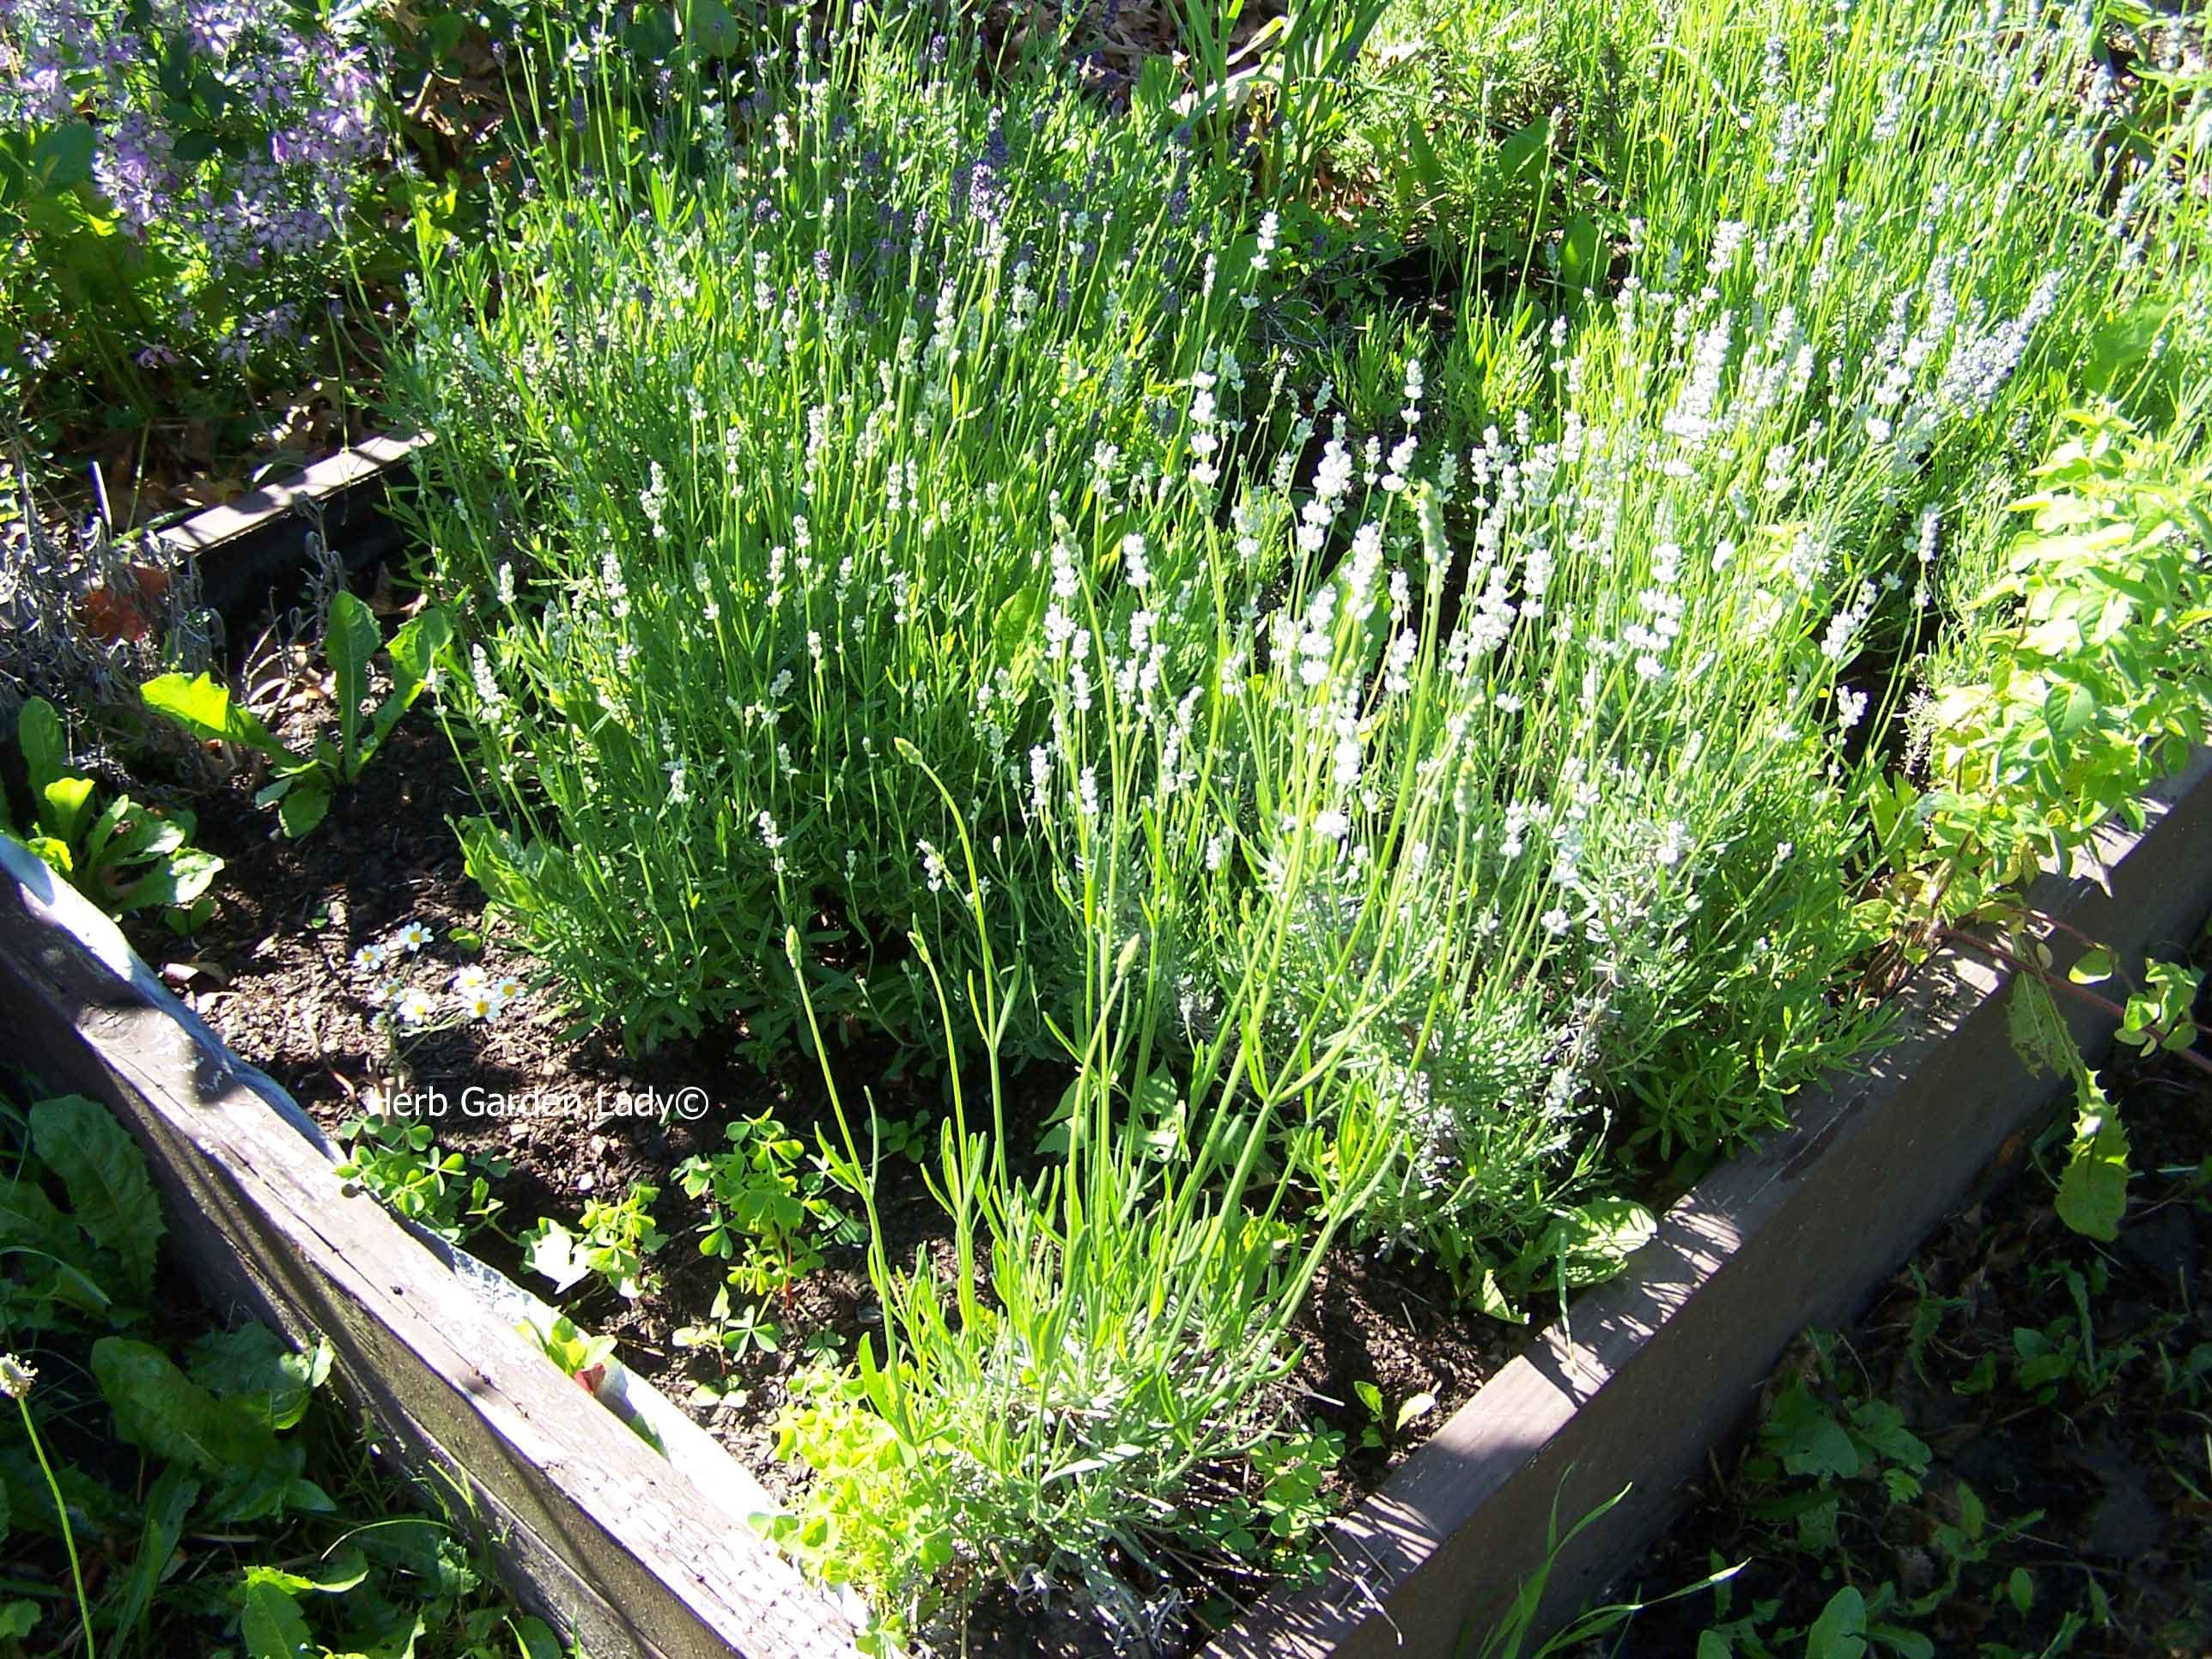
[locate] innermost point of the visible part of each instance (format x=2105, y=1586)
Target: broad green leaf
x=2092, y=966
x=1416, y=1407
x=61, y=160
x=414, y=650
x=55, y=854
x=1522, y=153
x=27, y=1215
x=1490, y=1296
x=1579, y=251
x=1881, y=1426
x=69, y=1285
x=94, y=1506
x=1840, y=1631
x=272, y=1625
x=304, y=806
x=2070, y=707
x=17, y=1619
x=180, y=879
x=62, y=805
x=1799, y=1430
x=46, y=749
x=1592, y=1242
x=2038, y=1031
x=161, y=1410
x=2093, y=1193
x=261, y=1371
x=104, y=1173
x=203, y=705
x=349, y=640
x=712, y=27
x=1973, y=1516
x=533, y=1637
x=340, y=1573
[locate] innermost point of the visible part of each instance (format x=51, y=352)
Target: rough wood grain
x=598, y=1530
x=1651, y=1370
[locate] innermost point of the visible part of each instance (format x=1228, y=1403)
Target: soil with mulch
x=2119, y=1478
x=272, y=972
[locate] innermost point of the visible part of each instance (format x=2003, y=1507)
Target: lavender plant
x=863, y=369
x=900, y=527
x=1497, y=766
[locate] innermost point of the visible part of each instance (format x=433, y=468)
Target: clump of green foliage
x=122, y=855
x=612, y=1239
x=129, y=1433
x=1371, y=761
x=398, y=1161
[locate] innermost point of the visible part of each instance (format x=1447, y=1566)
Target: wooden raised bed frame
x=651, y=1556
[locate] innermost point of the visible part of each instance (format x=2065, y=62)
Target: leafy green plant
x=2086, y=678
x=400, y=1165
x=303, y=785
x=191, y=1466
x=759, y=1217
x=1375, y=767
x=1275, y=1525
x=2081, y=679
x=613, y=1239
x=123, y=856
x=733, y=1333
x=1382, y=1427
x=1128, y=1284
x=2092, y=1188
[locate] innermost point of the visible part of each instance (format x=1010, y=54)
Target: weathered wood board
x=245, y=546
x=596, y=1529
x=1651, y=1370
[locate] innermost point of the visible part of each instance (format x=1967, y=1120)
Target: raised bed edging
x=1649, y=1370
x=243, y=545
x=635, y=1553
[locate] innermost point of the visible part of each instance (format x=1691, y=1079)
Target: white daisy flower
x=412, y=938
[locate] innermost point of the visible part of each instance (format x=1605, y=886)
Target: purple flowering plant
x=179, y=180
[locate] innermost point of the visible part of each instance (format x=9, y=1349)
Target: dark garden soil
x=2106, y=1468
x=272, y=973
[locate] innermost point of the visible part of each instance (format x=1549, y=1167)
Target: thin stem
x=69, y=1535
